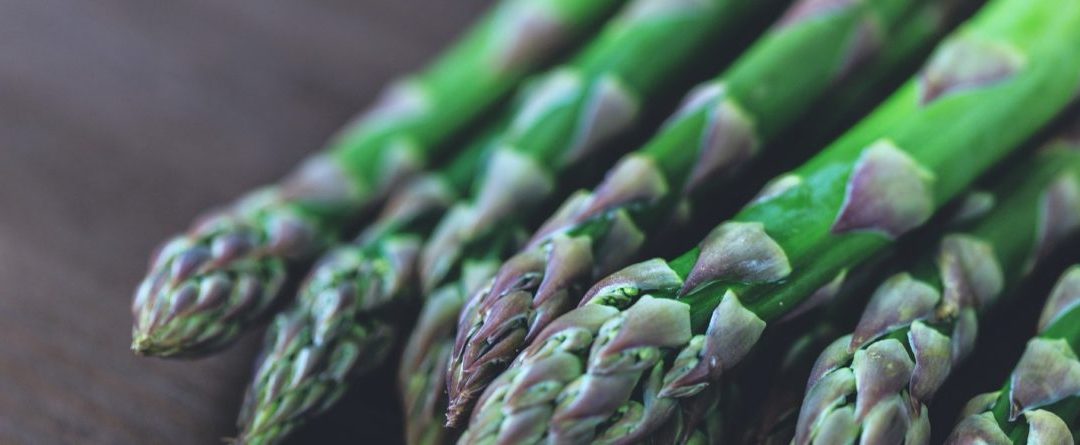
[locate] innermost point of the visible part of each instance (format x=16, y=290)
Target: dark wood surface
x=119, y=121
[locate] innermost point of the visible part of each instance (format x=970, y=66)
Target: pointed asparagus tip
x=186, y=309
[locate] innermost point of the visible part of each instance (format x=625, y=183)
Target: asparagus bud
x=208, y=285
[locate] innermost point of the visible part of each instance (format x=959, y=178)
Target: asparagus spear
x=769, y=400
x=561, y=119
x=997, y=81
x=723, y=124
x=921, y=323
x=211, y=283
x=1038, y=404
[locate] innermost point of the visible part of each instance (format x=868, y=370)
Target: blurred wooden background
x=119, y=121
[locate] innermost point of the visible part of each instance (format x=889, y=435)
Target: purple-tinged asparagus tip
x=198, y=295
x=207, y=286
x=204, y=288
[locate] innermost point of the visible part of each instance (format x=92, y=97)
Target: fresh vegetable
x=991, y=86
x=723, y=125
x=336, y=329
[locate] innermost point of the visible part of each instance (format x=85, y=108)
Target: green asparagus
x=208, y=285
x=572, y=112
x=1038, y=405
x=723, y=124
x=986, y=90
x=876, y=383
x=562, y=118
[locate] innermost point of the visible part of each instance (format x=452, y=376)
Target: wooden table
x=119, y=121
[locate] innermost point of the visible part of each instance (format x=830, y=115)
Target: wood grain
x=119, y=121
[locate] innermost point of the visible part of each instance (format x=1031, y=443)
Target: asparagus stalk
x=1038, y=404
x=208, y=285
x=723, y=124
x=562, y=118
x=876, y=383
x=996, y=82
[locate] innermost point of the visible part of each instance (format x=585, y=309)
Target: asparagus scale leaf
x=876, y=383
x=211, y=283
x=722, y=125
x=988, y=88
x=1039, y=403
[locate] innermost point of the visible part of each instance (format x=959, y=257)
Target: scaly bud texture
x=924, y=322
x=700, y=420
x=1039, y=403
x=562, y=119
x=207, y=286
x=580, y=373
x=721, y=125
x=569, y=115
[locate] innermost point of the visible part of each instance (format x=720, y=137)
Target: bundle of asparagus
x=723, y=124
x=469, y=243
x=565, y=116
x=553, y=338
x=653, y=334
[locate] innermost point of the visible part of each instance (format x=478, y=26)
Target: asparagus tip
x=141, y=344
x=145, y=343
